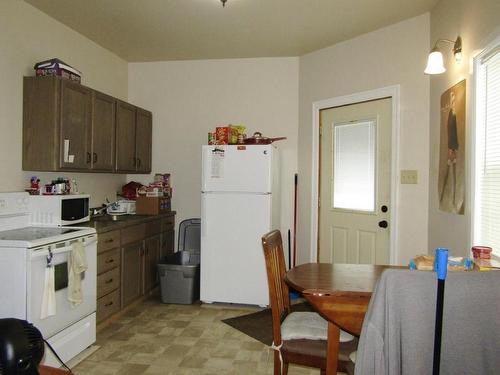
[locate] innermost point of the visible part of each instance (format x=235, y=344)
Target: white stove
x=25, y=253
x=38, y=236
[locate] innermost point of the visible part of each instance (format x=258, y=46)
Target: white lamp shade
x=435, y=63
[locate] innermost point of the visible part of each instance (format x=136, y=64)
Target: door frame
x=390, y=91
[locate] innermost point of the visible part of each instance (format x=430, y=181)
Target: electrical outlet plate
x=409, y=176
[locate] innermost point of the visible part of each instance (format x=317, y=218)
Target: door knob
x=383, y=224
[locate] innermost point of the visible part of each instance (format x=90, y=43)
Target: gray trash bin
x=180, y=278
x=180, y=271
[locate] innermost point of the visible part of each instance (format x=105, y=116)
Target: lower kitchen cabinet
x=108, y=274
x=132, y=264
x=167, y=236
x=108, y=305
x=127, y=262
x=151, y=259
x=108, y=282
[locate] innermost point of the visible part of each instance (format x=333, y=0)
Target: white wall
x=395, y=55
x=477, y=22
x=28, y=36
x=190, y=98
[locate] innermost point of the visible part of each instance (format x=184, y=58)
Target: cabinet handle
x=109, y=281
x=110, y=261
x=108, y=304
x=95, y=158
x=138, y=162
x=109, y=240
x=88, y=157
x=135, y=162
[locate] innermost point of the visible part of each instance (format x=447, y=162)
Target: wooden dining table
x=340, y=293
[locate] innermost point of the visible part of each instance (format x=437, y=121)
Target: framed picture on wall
x=451, y=182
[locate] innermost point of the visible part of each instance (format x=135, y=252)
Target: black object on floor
x=259, y=325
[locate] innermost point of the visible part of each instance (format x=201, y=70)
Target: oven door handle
x=44, y=251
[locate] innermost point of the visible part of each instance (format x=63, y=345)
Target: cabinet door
x=131, y=272
x=103, y=132
x=41, y=112
x=125, y=137
x=151, y=259
x=143, y=140
x=167, y=243
x=75, y=126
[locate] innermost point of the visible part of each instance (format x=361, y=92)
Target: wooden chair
x=346, y=310
x=302, y=351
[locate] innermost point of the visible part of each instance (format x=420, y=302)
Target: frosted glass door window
x=354, y=166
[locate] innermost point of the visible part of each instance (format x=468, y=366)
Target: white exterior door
x=355, y=181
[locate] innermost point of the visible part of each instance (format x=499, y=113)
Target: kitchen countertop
x=104, y=223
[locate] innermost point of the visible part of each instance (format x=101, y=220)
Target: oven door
x=65, y=315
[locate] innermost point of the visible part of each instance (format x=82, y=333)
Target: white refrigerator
x=239, y=204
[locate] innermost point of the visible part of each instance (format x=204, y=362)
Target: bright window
x=487, y=156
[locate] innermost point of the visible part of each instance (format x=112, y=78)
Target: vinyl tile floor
x=155, y=338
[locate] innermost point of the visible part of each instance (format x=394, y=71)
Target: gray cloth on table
x=398, y=331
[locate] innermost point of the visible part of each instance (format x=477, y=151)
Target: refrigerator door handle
x=203, y=213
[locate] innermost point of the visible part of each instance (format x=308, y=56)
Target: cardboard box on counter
x=152, y=205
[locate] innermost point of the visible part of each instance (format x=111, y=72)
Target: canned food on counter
x=211, y=138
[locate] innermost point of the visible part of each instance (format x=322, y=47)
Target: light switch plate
x=409, y=176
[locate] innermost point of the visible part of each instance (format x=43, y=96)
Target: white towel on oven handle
x=49, y=294
x=77, y=263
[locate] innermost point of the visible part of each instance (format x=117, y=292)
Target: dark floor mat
x=259, y=325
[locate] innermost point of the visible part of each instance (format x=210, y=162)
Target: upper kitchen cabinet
x=70, y=127
x=74, y=125
x=56, y=124
x=133, y=139
x=102, y=140
x=125, y=137
x=143, y=140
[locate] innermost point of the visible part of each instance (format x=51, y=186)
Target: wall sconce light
x=435, y=60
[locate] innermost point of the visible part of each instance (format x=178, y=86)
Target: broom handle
x=438, y=328
x=289, y=250
x=441, y=270
x=295, y=220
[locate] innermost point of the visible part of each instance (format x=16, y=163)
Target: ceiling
x=160, y=30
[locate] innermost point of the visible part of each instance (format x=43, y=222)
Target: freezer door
x=232, y=262
x=237, y=168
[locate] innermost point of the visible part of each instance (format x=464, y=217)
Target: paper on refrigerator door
x=217, y=163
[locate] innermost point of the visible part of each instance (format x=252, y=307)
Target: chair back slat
x=279, y=298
